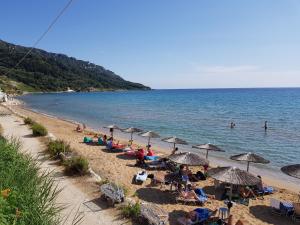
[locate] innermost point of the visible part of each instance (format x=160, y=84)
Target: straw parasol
x=233, y=176
x=154, y=214
x=188, y=158
x=208, y=147
x=150, y=134
x=174, y=140
x=249, y=157
x=292, y=170
x=111, y=129
x=131, y=130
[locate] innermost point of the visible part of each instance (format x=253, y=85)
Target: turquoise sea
x=196, y=115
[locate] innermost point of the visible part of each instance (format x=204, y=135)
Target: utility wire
x=42, y=36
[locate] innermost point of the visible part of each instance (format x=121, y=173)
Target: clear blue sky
x=169, y=43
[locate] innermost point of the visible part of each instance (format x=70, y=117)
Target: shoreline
x=270, y=176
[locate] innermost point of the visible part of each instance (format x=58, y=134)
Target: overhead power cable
x=64, y=9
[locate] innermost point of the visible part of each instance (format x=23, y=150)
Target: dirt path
x=77, y=201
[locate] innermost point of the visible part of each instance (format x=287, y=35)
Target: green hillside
x=44, y=71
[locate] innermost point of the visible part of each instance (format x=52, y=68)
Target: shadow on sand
x=264, y=213
x=155, y=195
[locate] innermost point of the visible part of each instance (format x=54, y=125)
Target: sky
x=169, y=43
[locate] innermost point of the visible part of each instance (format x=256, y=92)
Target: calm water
x=198, y=116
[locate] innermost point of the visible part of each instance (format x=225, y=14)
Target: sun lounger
x=156, y=165
x=131, y=153
x=275, y=205
x=203, y=214
x=191, y=200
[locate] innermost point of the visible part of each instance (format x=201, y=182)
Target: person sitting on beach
x=246, y=193
x=104, y=139
x=150, y=152
x=174, y=151
x=196, y=215
x=140, y=161
x=187, y=193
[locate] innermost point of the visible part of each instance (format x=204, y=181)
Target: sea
x=195, y=115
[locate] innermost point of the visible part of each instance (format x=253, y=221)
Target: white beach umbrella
x=131, y=130
x=174, y=140
x=111, y=129
x=249, y=157
x=150, y=134
x=208, y=147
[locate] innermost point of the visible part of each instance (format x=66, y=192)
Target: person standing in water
x=232, y=125
x=266, y=125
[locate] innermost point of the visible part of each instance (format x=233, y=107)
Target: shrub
x=38, y=130
x=29, y=121
x=27, y=196
x=131, y=210
x=77, y=165
x=58, y=146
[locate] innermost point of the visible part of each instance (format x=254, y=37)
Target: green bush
x=29, y=121
x=77, y=165
x=131, y=210
x=38, y=130
x=27, y=196
x=58, y=146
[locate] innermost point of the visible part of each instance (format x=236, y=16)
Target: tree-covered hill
x=44, y=71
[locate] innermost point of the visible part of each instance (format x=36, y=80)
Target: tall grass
x=31, y=195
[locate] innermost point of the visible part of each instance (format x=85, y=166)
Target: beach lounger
x=191, y=200
x=203, y=214
x=156, y=165
x=265, y=191
x=275, y=205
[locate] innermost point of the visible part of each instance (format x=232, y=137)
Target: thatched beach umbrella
x=233, y=176
x=150, y=134
x=249, y=157
x=208, y=147
x=154, y=214
x=132, y=130
x=292, y=170
x=111, y=129
x=174, y=140
x=188, y=158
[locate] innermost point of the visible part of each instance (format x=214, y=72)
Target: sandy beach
x=119, y=169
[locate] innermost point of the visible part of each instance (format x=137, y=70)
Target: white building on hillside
x=3, y=96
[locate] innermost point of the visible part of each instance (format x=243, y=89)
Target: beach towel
x=201, y=195
x=87, y=140
x=100, y=141
x=155, y=157
x=202, y=214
